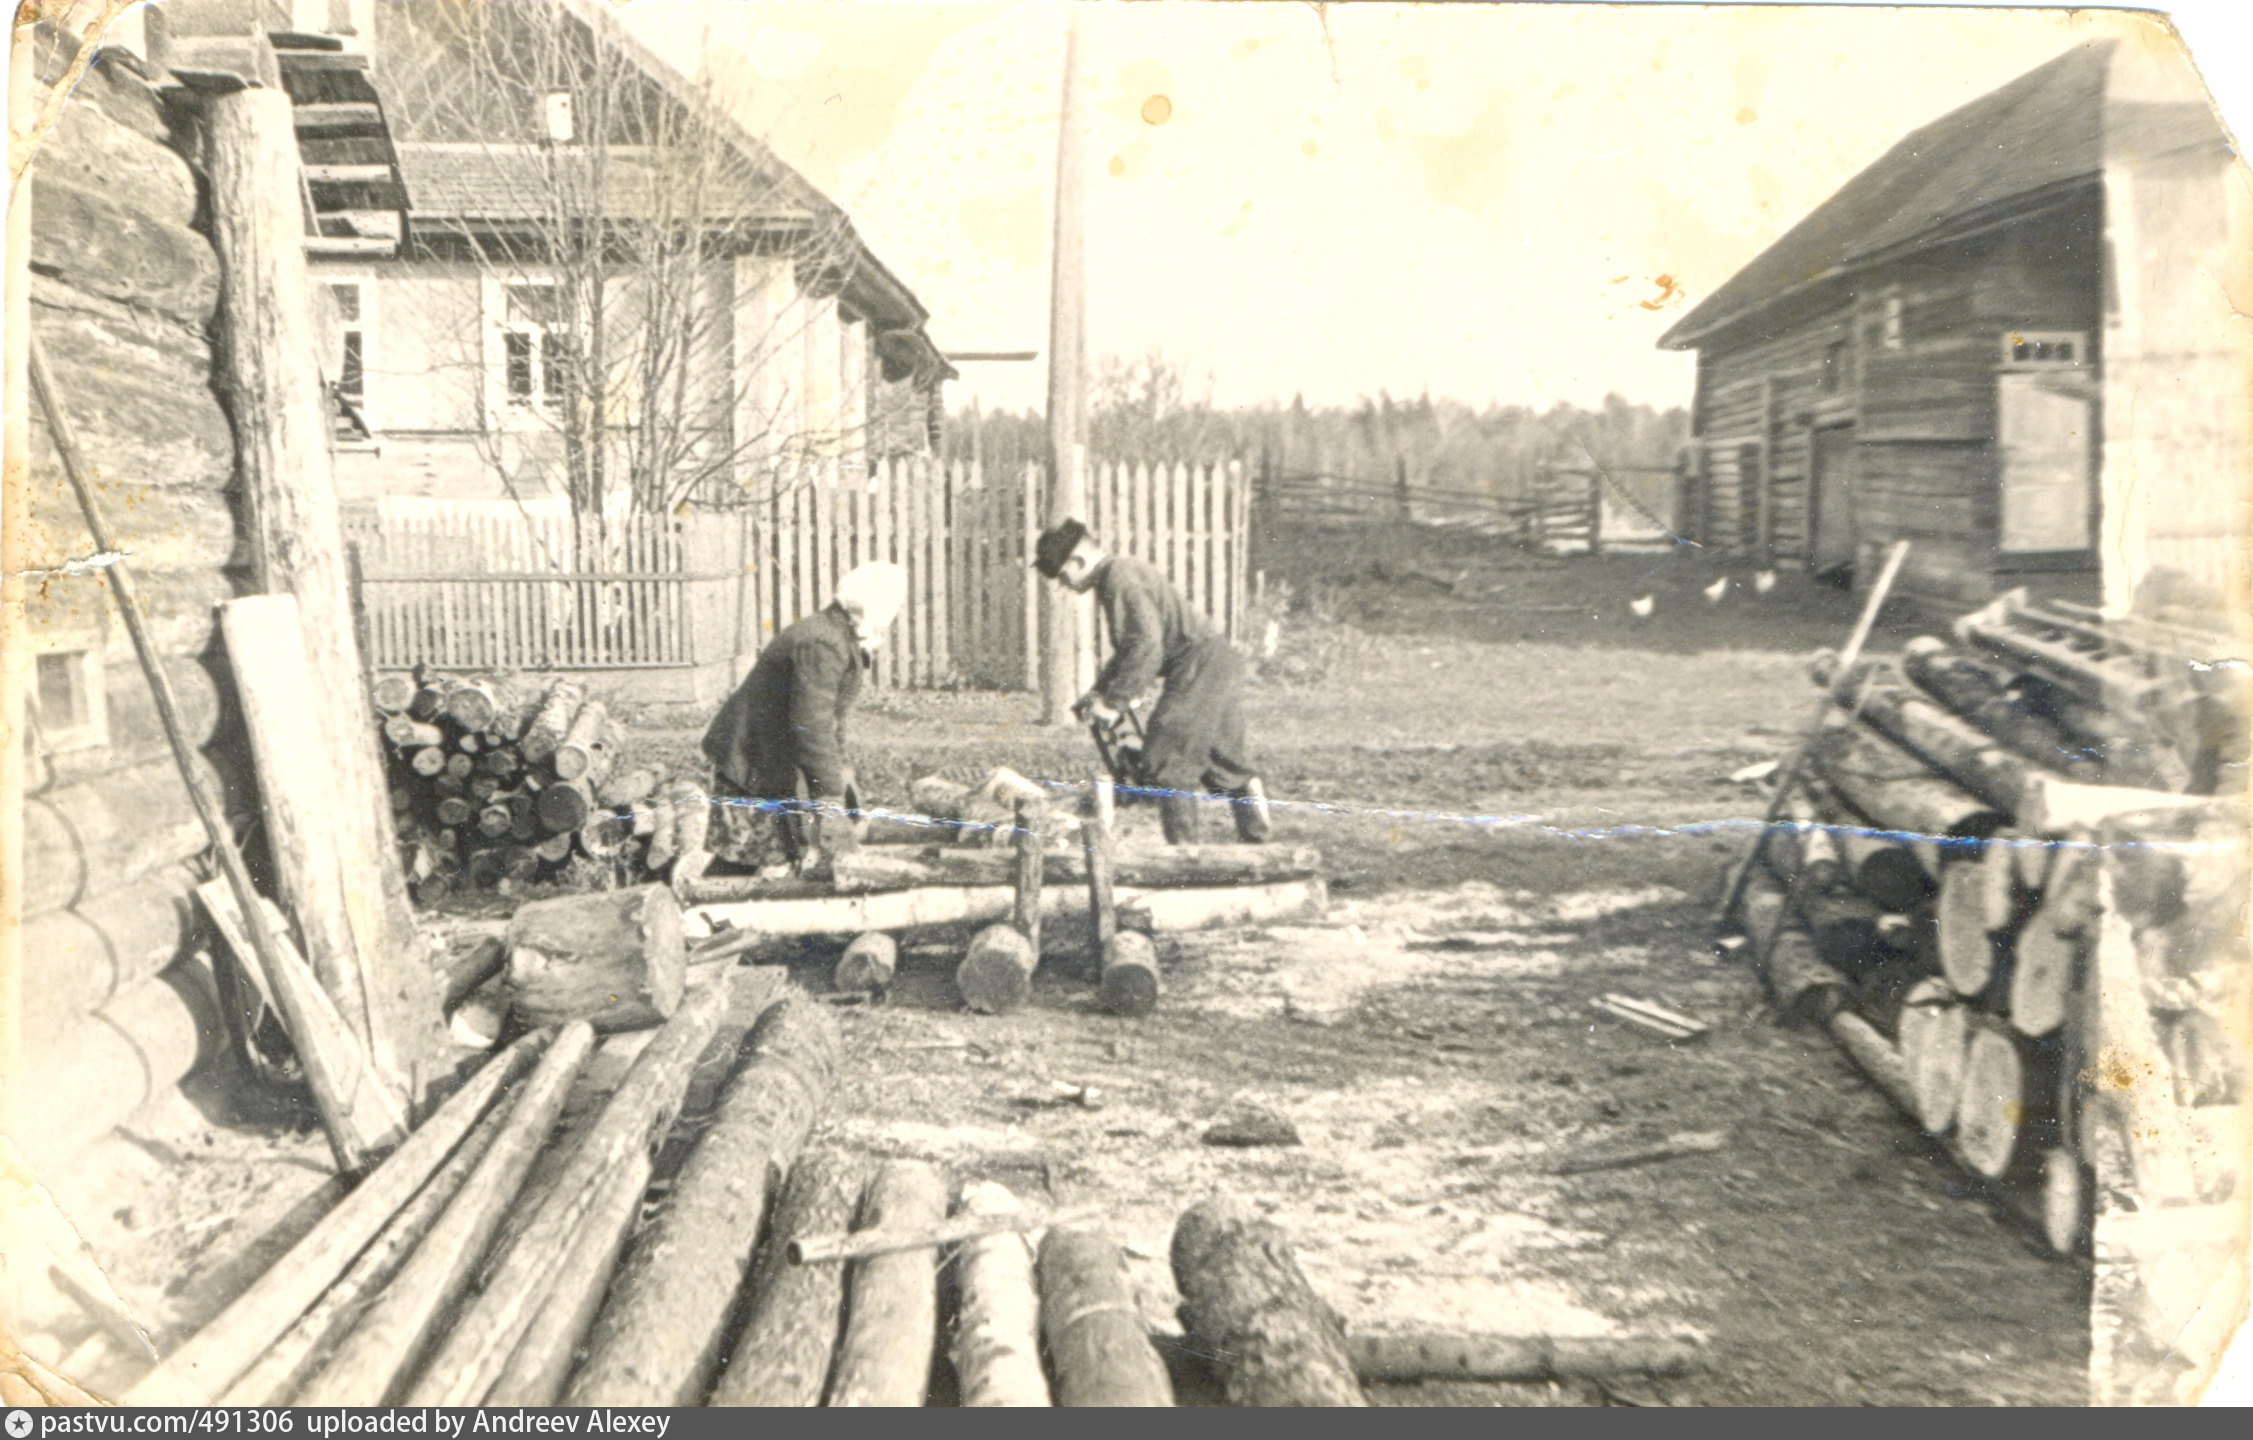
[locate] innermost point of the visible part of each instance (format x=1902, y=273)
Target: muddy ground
x=1521, y=788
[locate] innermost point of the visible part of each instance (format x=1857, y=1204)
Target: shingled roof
x=2041, y=132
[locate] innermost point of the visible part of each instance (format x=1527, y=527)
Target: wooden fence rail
x=484, y=587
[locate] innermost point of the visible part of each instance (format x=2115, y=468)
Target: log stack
x=1931, y=894
x=498, y=782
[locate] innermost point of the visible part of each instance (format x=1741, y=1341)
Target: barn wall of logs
x=117, y=1004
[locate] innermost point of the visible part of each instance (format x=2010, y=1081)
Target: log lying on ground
x=1843, y=925
x=997, y=1322
x=1250, y=1312
x=486, y=1333
x=783, y=1356
x=897, y=910
x=1098, y=1352
x=1388, y=1357
x=1886, y=870
x=1981, y=694
x=541, y=1364
x=382, y=1350
x=1173, y=911
x=1177, y=867
x=1130, y=974
x=298, y=1353
x=891, y=1319
x=996, y=973
x=867, y=1244
x=1874, y=1055
x=223, y=1350
x=482, y=961
x=589, y=747
x=1896, y=790
x=658, y=1338
x=615, y=959
x=1956, y=748
x=1804, y=986
x=1934, y=1030
x=867, y=964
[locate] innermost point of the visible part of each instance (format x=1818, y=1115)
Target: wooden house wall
x=1923, y=412
x=117, y=1005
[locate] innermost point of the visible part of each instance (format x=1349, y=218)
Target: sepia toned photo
x=723, y=703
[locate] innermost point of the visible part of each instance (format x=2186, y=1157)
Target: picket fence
x=482, y=586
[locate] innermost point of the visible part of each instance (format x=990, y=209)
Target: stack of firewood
x=498, y=779
x=1932, y=897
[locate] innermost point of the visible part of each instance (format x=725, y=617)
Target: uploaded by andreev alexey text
x=322, y=1424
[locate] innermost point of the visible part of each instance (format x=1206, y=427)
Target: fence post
x=1400, y=481
x=1595, y=512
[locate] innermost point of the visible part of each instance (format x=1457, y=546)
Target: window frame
x=86, y=657
x=2077, y=340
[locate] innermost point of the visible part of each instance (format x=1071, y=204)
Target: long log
x=2067, y=1197
x=307, y=1343
x=800, y=913
x=997, y=1322
x=1873, y=1055
x=1984, y=696
x=553, y=721
x=895, y=867
x=362, y=1113
x=383, y=1348
x=1956, y=748
x=614, y=958
x=1395, y=1358
x=1099, y=1353
x=996, y=973
x=1898, y=791
x=867, y=1244
x=286, y=475
x=783, y=1356
x=1934, y=1029
x=1173, y=911
x=1805, y=987
x=222, y=1350
x=1130, y=983
x=1843, y=925
x=542, y=1361
x=639, y=1111
x=658, y=1338
x=1096, y=852
x=891, y=1318
x=1248, y=1309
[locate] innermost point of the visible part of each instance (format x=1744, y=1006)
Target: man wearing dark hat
x=1194, y=740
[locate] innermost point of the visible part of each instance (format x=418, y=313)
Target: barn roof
x=2041, y=131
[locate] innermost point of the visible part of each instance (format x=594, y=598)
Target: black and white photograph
x=720, y=703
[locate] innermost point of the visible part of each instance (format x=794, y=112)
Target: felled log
x=1958, y=749
x=307, y=1343
x=2066, y=1200
x=616, y=959
x=867, y=964
x=563, y=806
x=867, y=1244
x=1098, y=1351
x=1172, y=911
x=783, y=1356
x=219, y=1353
x=1934, y=1031
x=2047, y=957
x=1805, y=987
x=542, y=1361
x=1843, y=925
x=590, y=746
x=553, y=722
x=1873, y=1055
x=408, y=733
x=1984, y=696
x=1394, y=1358
x=486, y=1332
x=997, y=1323
x=475, y=704
x=891, y=1322
x=1967, y=946
x=631, y=787
x=996, y=973
x=1896, y=790
x=382, y=1350
x=392, y=694
x=899, y=866
x=2001, y=1101
x=1886, y=870
x=1250, y=1312
x=658, y=1337
x=2060, y=810
x=1130, y=974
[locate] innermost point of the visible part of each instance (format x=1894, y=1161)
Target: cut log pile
x=501, y=781
x=1930, y=894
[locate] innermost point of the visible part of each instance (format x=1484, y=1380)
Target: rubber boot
x=1181, y=817
x=1253, y=823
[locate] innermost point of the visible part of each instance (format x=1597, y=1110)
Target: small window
x=2044, y=349
x=1892, y=335
x=536, y=341
x=556, y=111
x=72, y=715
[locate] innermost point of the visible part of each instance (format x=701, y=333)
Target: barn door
x=2044, y=424
x=1830, y=550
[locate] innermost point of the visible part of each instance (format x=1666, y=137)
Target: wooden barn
x=1923, y=356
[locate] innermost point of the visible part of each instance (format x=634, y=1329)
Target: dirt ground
x=1521, y=790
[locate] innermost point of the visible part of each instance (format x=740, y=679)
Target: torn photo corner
x=1568, y=701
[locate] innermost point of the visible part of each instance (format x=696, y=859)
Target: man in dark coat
x=777, y=746
x=1194, y=739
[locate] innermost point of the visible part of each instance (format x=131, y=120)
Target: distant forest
x=1145, y=411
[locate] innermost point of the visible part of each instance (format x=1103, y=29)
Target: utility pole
x=1067, y=389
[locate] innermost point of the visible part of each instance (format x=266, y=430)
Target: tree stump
x=614, y=959
x=1098, y=1352
x=1249, y=1311
x=996, y=973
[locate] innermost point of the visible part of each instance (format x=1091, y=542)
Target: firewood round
x=1933, y=1035
x=867, y=964
x=1130, y=974
x=615, y=958
x=996, y=973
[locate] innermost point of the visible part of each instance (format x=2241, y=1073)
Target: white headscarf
x=873, y=595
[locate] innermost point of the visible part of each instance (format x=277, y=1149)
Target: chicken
x=1764, y=582
x=1643, y=606
x=1716, y=590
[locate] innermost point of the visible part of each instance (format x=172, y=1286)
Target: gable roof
x=2043, y=130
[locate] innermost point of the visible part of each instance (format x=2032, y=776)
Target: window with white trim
x=72, y=707
x=535, y=344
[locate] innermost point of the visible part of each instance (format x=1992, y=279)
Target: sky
x=1499, y=203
